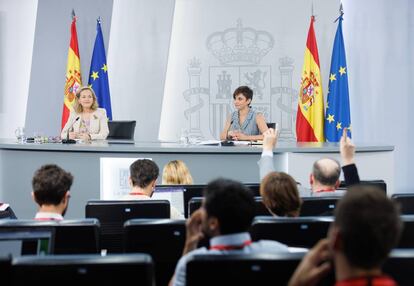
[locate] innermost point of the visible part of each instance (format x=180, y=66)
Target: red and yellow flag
x=310, y=115
x=73, y=73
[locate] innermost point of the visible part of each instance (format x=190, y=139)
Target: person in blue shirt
x=244, y=123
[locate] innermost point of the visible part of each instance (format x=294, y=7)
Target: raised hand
x=269, y=139
x=347, y=149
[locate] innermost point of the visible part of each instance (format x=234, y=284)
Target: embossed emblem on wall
x=241, y=60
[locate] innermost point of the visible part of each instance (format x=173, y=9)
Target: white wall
x=137, y=60
x=379, y=40
x=243, y=40
x=17, y=30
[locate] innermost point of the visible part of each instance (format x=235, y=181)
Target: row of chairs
x=192, y=191
x=269, y=270
x=93, y=269
x=201, y=270
x=164, y=239
x=300, y=232
x=311, y=206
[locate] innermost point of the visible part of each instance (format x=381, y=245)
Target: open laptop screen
x=173, y=193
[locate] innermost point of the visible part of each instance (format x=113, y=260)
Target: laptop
x=172, y=193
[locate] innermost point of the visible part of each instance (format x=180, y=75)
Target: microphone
x=227, y=142
x=67, y=140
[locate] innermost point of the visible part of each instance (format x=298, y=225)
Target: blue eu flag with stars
x=98, y=75
x=337, y=112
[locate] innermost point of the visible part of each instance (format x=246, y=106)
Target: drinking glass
x=184, y=137
x=19, y=132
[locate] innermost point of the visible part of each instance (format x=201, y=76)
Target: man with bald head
x=324, y=179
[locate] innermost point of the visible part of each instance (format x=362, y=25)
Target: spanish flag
x=73, y=72
x=310, y=115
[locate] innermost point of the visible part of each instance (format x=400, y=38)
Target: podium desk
x=18, y=162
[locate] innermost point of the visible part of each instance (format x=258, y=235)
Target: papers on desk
x=239, y=142
x=209, y=142
x=258, y=142
x=218, y=142
x=235, y=142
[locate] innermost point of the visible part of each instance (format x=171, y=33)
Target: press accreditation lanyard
x=231, y=247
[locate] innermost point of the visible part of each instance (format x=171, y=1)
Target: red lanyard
x=231, y=247
x=138, y=194
x=325, y=191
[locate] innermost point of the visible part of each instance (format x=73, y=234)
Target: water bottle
x=184, y=137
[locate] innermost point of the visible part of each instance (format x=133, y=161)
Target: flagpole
x=313, y=13
x=341, y=12
x=73, y=14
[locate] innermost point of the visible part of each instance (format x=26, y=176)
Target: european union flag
x=98, y=75
x=337, y=113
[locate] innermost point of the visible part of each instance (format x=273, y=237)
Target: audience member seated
x=142, y=180
x=176, y=173
x=51, y=191
x=367, y=226
x=280, y=194
x=324, y=179
x=225, y=217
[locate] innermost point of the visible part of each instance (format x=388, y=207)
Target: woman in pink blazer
x=86, y=120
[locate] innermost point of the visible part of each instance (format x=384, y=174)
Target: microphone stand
x=67, y=140
x=227, y=142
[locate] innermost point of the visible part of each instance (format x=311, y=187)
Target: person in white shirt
x=142, y=180
x=225, y=217
x=51, y=191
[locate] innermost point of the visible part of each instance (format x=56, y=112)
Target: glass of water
x=19, y=132
x=184, y=137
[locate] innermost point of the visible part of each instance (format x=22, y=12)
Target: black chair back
x=318, y=206
x=377, y=183
x=191, y=191
x=69, y=236
x=113, y=214
x=406, y=202
x=407, y=235
x=294, y=232
x=87, y=269
x=5, y=269
x=162, y=239
x=77, y=237
x=260, y=209
x=400, y=266
x=121, y=129
x=250, y=269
